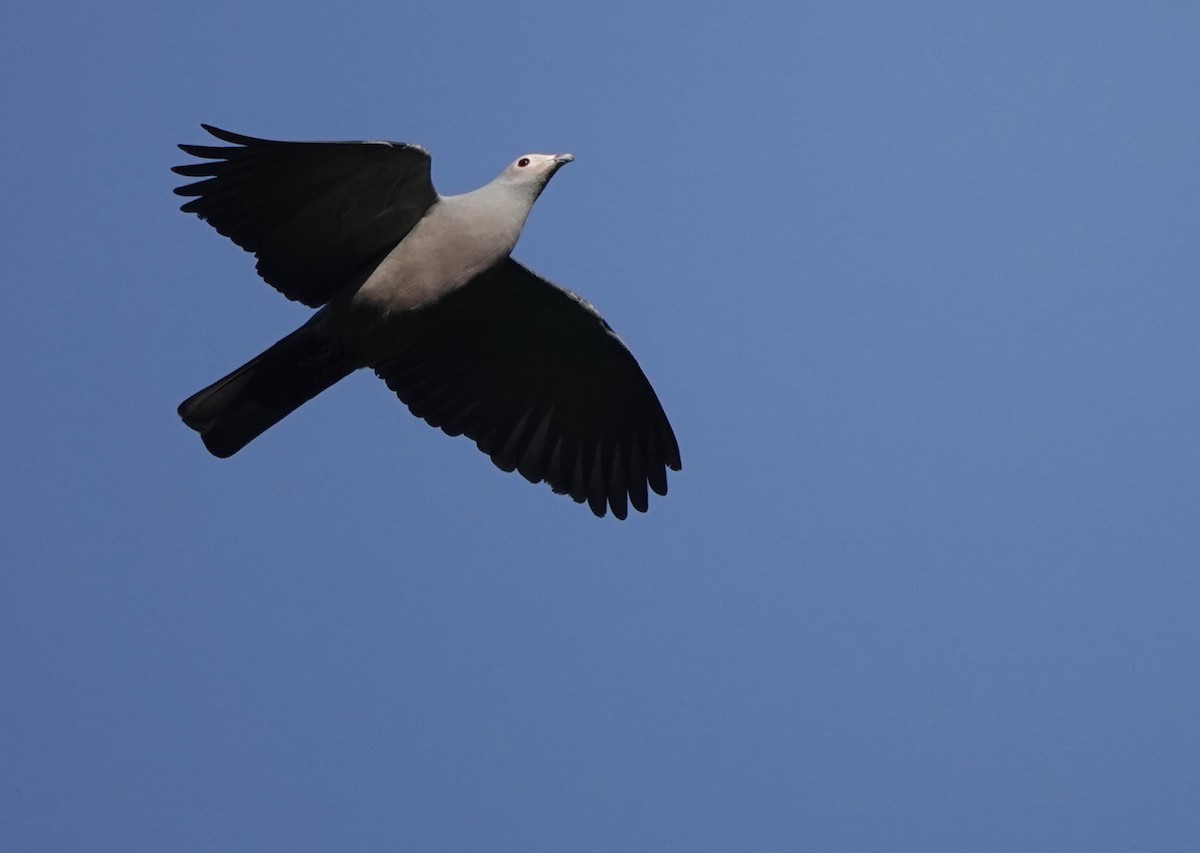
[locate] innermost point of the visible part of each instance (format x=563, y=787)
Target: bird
x=422, y=289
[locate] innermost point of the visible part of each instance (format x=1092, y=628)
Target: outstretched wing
x=315, y=214
x=541, y=383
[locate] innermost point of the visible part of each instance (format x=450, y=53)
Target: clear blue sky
x=918, y=286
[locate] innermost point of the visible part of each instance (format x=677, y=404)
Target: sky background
x=917, y=284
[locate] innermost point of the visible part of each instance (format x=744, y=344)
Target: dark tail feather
x=233, y=411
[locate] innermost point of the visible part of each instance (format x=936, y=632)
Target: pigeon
x=421, y=288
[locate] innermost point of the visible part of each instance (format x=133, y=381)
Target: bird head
x=534, y=169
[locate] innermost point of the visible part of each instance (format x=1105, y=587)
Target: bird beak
x=563, y=159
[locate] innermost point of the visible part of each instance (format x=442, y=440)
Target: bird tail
x=235, y=410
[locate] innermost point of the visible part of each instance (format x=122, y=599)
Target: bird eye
x=523, y=162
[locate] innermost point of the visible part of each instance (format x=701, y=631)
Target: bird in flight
x=422, y=289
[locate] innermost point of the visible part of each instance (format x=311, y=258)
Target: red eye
x=523, y=162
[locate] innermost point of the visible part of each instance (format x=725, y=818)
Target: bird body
x=458, y=239
x=422, y=289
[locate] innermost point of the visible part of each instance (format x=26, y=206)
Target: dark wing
x=314, y=213
x=536, y=377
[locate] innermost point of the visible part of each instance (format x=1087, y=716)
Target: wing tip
x=228, y=135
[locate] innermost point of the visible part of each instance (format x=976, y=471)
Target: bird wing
x=536, y=377
x=315, y=214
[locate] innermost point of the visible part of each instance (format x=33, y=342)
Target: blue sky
x=917, y=285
